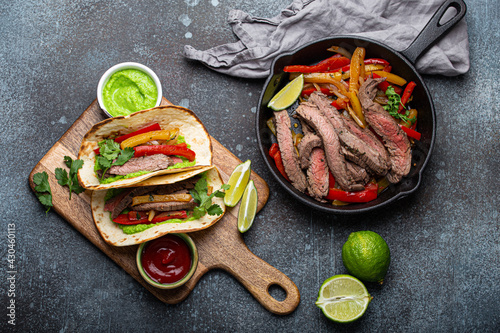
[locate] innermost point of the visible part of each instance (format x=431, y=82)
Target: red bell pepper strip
x=384, y=85
x=368, y=194
x=411, y=133
x=142, y=217
x=309, y=91
x=154, y=127
x=334, y=62
x=339, y=104
x=275, y=153
x=331, y=180
x=406, y=95
x=180, y=150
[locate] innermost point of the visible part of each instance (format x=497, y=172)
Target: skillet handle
x=433, y=31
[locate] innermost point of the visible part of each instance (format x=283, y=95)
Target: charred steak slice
x=306, y=146
x=165, y=206
x=334, y=158
x=126, y=200
x=395, y=140
x=317, y=175
x=287, y=149
x=144, y=163
x=357, y=173
x=365, y=155
x=367, y=136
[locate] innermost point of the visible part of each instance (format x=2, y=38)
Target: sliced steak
x=144, y=163
x=288, y=155
x=365, y=155
x=367, y=136
x=165, y=206
x=117, y=204
x=317, y=175
x=335, y=160
x=357, y=173
x=127, y=199
x=306, y=146
x=395, y=140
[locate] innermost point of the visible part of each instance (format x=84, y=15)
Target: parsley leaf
x=42, y=189
x=394, y=100
x=110, y=154
x=72, y=180
x=204, y=201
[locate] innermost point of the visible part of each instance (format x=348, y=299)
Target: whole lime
x=366, y=256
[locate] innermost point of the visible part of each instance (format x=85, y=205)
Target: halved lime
x=248, y=207
x=238, y=181
x=288, y=95
x=343, y=298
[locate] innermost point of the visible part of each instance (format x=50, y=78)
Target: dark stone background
x=444, y=239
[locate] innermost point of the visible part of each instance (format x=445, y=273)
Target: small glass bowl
x=194, y=264
x=126, y=65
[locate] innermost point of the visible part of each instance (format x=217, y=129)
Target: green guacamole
x=128, y=91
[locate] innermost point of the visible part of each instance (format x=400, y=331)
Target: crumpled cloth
x=395, y=23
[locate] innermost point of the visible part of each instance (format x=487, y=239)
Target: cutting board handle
x=258, y=277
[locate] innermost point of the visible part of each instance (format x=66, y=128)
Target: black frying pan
x=402, y=65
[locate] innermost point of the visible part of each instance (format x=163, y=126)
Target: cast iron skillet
x=402, y=65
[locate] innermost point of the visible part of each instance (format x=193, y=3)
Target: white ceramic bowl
x=126, y=65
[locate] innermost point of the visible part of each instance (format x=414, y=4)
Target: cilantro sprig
x=204, y=201
x=70, y=180
x=393, y=103
x=110, y=154
x=42, y=189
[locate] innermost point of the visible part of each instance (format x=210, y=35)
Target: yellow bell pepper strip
x=368, y=69
x=322, y=77
x=153, y=127
x=137, y=140
x=357, y=68
x=356, y=109
x=141, y=199
x=392, y=78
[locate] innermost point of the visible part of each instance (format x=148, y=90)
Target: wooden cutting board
x=220, y=246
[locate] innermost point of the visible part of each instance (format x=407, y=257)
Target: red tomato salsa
x=166, y=259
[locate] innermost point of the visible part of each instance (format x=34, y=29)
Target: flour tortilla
x=168, y=117
x=113, y=235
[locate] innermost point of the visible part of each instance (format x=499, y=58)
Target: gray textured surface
x=444, y=275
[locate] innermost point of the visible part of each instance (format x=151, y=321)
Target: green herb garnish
x=110, y=154
x=393, y=103
x=204, y=201
x=42, y=189
x=72, y=180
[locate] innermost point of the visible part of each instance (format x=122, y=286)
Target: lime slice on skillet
x=248, y=207
x=288, y=95
x=238, y=181
x=343, y=298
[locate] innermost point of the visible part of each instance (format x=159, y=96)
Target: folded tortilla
x=168, y=117
x=114, y=235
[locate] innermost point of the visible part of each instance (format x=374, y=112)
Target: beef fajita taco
x=179, y=203
x=124, y=151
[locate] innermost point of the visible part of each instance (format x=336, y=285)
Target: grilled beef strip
x=165, y=206
x=144, y=163
x=288, y=155
x=395, y=140
x=317, y=175
x=335, y=160
x=306, y=146
x=364, y=154
x=358, y=173
x=123, y=200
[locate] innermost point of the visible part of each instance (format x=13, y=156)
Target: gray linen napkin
x=395, y=23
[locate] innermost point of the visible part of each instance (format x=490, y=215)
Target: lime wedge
x=248, y=207
x=343, y=298
x=288, y=95
x=238, y=181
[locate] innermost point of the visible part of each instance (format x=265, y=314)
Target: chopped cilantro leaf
x=204, y=201
x=72, y=180
x=42, y=189
x=394, y=100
